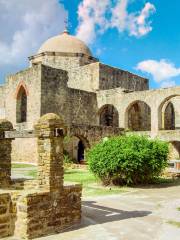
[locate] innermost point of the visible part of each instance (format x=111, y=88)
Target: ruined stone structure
x=64, y=78
x=33, y=208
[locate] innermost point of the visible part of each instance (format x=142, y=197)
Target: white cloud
x=135, y=23
x=91, y=14
x=95, y=17
x=26, y=24
x=162, y=71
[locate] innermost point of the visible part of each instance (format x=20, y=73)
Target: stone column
x=50, y=132
x=5, y=154
x=155, y=121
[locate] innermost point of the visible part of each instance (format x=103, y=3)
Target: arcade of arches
x=137, y=115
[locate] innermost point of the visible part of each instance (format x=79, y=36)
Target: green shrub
x=128, y=159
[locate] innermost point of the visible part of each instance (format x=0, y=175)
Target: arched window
x=21, y=106
x=139, y=116
x=108, y=116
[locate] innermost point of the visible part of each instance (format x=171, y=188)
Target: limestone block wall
x=31, y=80
x=92, y=134
x=85, y=77
x=7, y=215
x=110, y=77
x=70, y=62
x=24, y=150
x=2, y=102
x=64, y=61
x=54, y=92
x=5, y=154
x=75, y=106
x=82, y=107
x=43, y=206
x=48, y=213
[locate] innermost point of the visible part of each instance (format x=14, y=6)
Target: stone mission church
x=64, y=78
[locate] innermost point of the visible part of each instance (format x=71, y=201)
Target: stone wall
x=24, y=150
x=92, y=134
x=7, y=215
x=30, y=79
x=54, y=92
x=48, y=213
x=83, y=107
x=5, y=153
x=85, y=77
x=110, y=77
x=121, y=100
x=71, y=63
x=76, y=106
x=2, y=102
x=64, y=61
x=87, y=73
x=43, y=206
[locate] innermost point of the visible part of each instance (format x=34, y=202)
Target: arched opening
x=108, y=116
x=21, y=106
x=169, y=113
x=138, y=116
x=75, y=147
x=169, y=117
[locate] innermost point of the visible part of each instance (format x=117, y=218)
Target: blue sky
x=153, y=54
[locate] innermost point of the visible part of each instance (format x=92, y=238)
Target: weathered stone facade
x=43, y=206
x=84, y=91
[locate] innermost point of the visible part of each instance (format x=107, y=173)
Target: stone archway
x=169, y=117
x=169, y=113
x=75, y=148
x=108, y=116
x=138, y=116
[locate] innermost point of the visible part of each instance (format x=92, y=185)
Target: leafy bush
x=128, y=159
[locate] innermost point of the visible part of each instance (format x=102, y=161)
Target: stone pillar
x=50, y=132
x=155, y=121
x=5, y=153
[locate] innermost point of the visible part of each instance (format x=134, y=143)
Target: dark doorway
x=81, y=150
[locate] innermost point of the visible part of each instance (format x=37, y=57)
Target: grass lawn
x=91, y=186
x=21, y=165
